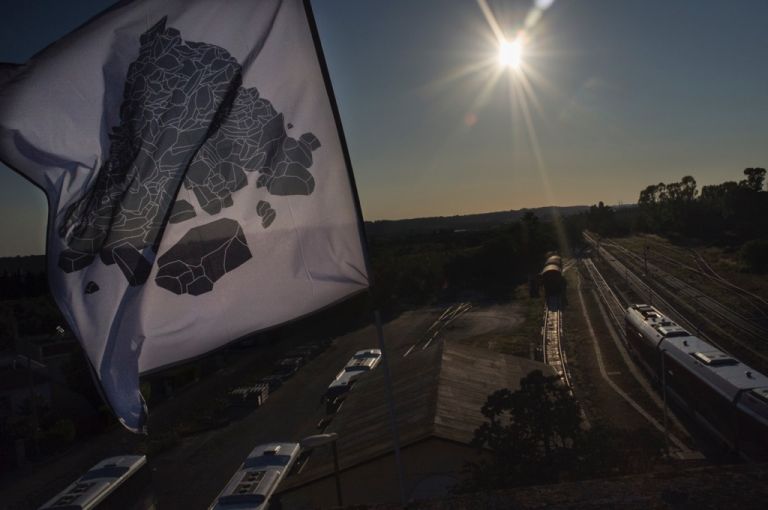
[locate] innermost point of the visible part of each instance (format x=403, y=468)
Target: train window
x=761, y=394
x=715, y=358
x=242, y=497
x=267, y=460
x=674, y=334
x=117, y=483
x=105, y=472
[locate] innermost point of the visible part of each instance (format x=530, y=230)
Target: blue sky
x=619, y=95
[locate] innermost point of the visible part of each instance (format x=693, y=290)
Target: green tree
x=754, y=254
x=688, y=190
x=535, y=435
x=755, y=179
x=602, y=219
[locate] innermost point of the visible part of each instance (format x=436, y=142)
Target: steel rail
x=677, y=285
x=552, y=340
x=643, y=288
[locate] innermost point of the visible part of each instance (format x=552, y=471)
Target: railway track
x=449, y=315
x=685, y=304
x=745, y=299
x=614, y=308
x=551, y=341
x=641, y=288
x=744, y=325
x=682, y=257
x=757, y=303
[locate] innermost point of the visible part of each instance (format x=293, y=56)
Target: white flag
x=196, y=180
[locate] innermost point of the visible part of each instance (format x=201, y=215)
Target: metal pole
x=33, y=405
x=645, y=259
x=337, y=473
x=360, y=227
x=664, y=394
x=390, y=402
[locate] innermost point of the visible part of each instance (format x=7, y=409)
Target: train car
x=552, y=280
x=554, y=260
x=726, y=396
x=122, y=482
x=258, y=477
x=646, y=327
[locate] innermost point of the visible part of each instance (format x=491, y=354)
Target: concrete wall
x=431, y=467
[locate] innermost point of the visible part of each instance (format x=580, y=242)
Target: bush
x=535, y=435
x=62, y=432
x=754, y=255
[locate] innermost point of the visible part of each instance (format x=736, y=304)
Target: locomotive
x=726, y=396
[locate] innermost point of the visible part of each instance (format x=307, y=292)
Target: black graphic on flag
x=185, y=120
x=201, y=257
x=182, y=211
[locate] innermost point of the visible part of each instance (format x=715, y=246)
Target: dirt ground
x=511, y=328
x=606, y=386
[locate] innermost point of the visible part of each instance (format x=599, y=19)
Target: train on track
x=726, y=396
x=551, y=277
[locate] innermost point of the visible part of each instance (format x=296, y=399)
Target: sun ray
x=543, y=170
x=491, y=19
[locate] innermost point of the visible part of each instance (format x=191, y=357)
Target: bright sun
x=511, y=54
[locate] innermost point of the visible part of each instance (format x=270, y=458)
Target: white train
x=122, y=482
x=361, y=363
x=724, y=394
x=257, y=478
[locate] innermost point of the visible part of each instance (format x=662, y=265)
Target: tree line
x=413, y=270
x=732, y=213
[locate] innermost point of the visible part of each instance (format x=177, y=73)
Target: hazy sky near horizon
x=618, y=95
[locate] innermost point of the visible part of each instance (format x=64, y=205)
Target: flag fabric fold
x=195, y=176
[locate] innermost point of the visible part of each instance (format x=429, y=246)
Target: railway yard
x=583, y=339
x=608, y=382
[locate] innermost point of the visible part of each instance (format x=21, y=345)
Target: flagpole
x=364, y=246
x=391, y=405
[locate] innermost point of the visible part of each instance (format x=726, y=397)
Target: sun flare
x=511, y=54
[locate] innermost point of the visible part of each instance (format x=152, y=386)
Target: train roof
x=96, y=484
x=258, y=477
x=720, y=370
x=551, y=268
x=654, y=324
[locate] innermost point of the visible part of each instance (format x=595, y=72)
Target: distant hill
x=482, y=221
x=466, y=222
x=26, y=264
